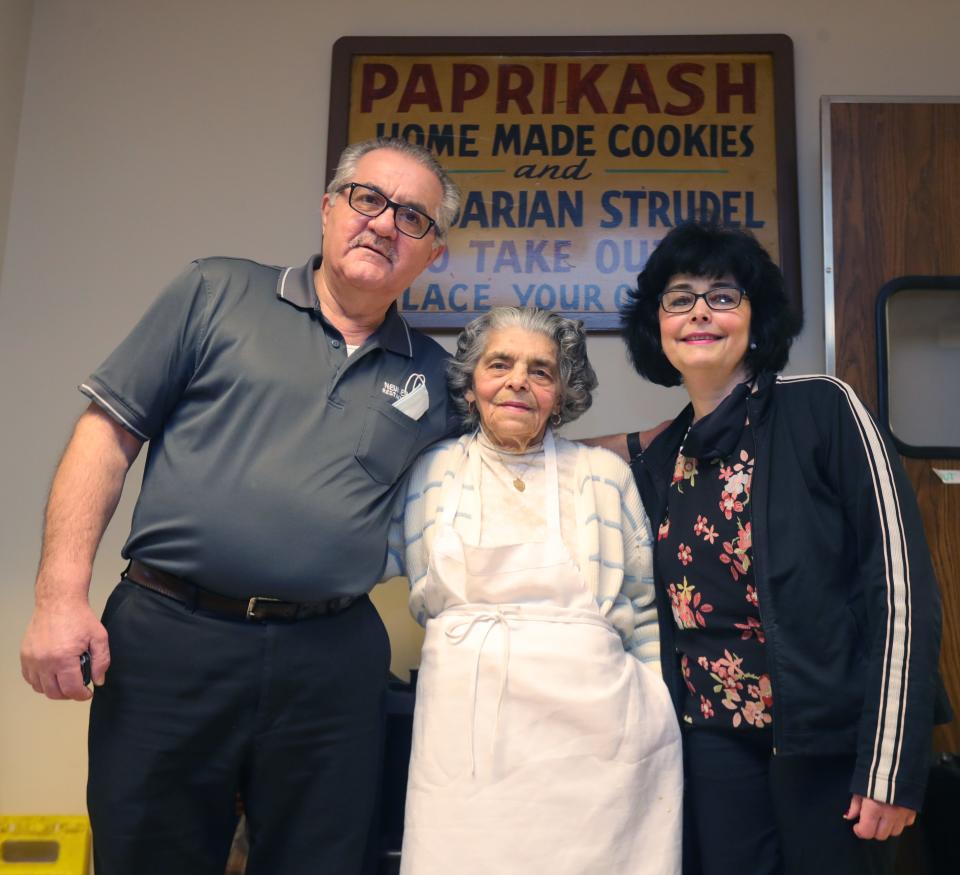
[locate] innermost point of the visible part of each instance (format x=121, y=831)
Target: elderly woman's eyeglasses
x=684, y=300
x=369, y=202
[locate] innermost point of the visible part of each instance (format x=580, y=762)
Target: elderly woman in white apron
x=544, y=738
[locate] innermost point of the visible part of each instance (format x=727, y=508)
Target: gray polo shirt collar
x=295, y=286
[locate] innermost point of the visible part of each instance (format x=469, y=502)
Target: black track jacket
x=848, y=599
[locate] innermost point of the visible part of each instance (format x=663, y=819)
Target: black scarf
x=716, y=435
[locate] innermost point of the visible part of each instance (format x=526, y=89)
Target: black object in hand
x=85, y=667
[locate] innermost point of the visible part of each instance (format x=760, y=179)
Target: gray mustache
x=380, y=244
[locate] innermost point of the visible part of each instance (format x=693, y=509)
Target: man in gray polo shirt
x=282, y=408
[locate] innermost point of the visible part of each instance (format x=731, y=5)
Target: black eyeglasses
x=369, y=202
x=684, y=300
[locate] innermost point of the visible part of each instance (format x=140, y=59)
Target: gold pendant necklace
x=517, y=479
x=518, y=482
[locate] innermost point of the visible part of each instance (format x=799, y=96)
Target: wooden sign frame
x=577, y=154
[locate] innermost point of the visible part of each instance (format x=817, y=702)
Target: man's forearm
x=617, y=443
x=84, y=495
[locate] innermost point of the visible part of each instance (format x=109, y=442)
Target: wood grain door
x=891, y=209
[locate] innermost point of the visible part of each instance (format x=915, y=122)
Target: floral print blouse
x=704, y=558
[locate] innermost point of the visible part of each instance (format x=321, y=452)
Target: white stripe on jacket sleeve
x=888, y=738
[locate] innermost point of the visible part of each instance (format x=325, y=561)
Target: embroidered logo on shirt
x=414, y=382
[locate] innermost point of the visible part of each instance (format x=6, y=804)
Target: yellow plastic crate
x=44, y=845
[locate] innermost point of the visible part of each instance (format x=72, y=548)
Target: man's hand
x=878, y=820
x=51, y=648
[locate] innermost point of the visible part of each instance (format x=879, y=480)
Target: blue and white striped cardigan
x=614, y=543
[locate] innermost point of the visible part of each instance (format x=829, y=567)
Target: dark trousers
x=197, y=709
x=746, y=811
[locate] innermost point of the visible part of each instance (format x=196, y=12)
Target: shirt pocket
x=386, y=443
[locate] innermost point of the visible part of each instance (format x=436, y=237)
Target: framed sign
x=576, y=155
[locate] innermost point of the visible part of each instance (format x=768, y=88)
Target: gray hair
x=449, y=202
x=577, y=377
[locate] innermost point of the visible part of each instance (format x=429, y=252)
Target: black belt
x=255, y=608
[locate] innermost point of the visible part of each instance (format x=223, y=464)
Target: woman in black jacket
x=799, y=615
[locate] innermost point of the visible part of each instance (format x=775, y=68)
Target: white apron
x=539, y=744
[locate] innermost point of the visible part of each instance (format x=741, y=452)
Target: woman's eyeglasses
x=684, y=300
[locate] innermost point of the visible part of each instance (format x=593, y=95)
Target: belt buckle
x=252, y=605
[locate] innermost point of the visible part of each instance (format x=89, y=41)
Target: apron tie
x=458, y=633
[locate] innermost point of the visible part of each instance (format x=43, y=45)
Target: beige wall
x=153, y=133
x=15, y=18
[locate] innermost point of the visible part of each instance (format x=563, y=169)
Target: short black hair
x=705, y=248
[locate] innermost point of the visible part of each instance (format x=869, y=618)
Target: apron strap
x=552, y=486
x=458, y=633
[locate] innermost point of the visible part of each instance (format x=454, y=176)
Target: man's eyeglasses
x=369, y=202
x=684, y=300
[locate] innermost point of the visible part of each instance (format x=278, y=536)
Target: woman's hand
x=878, y=820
